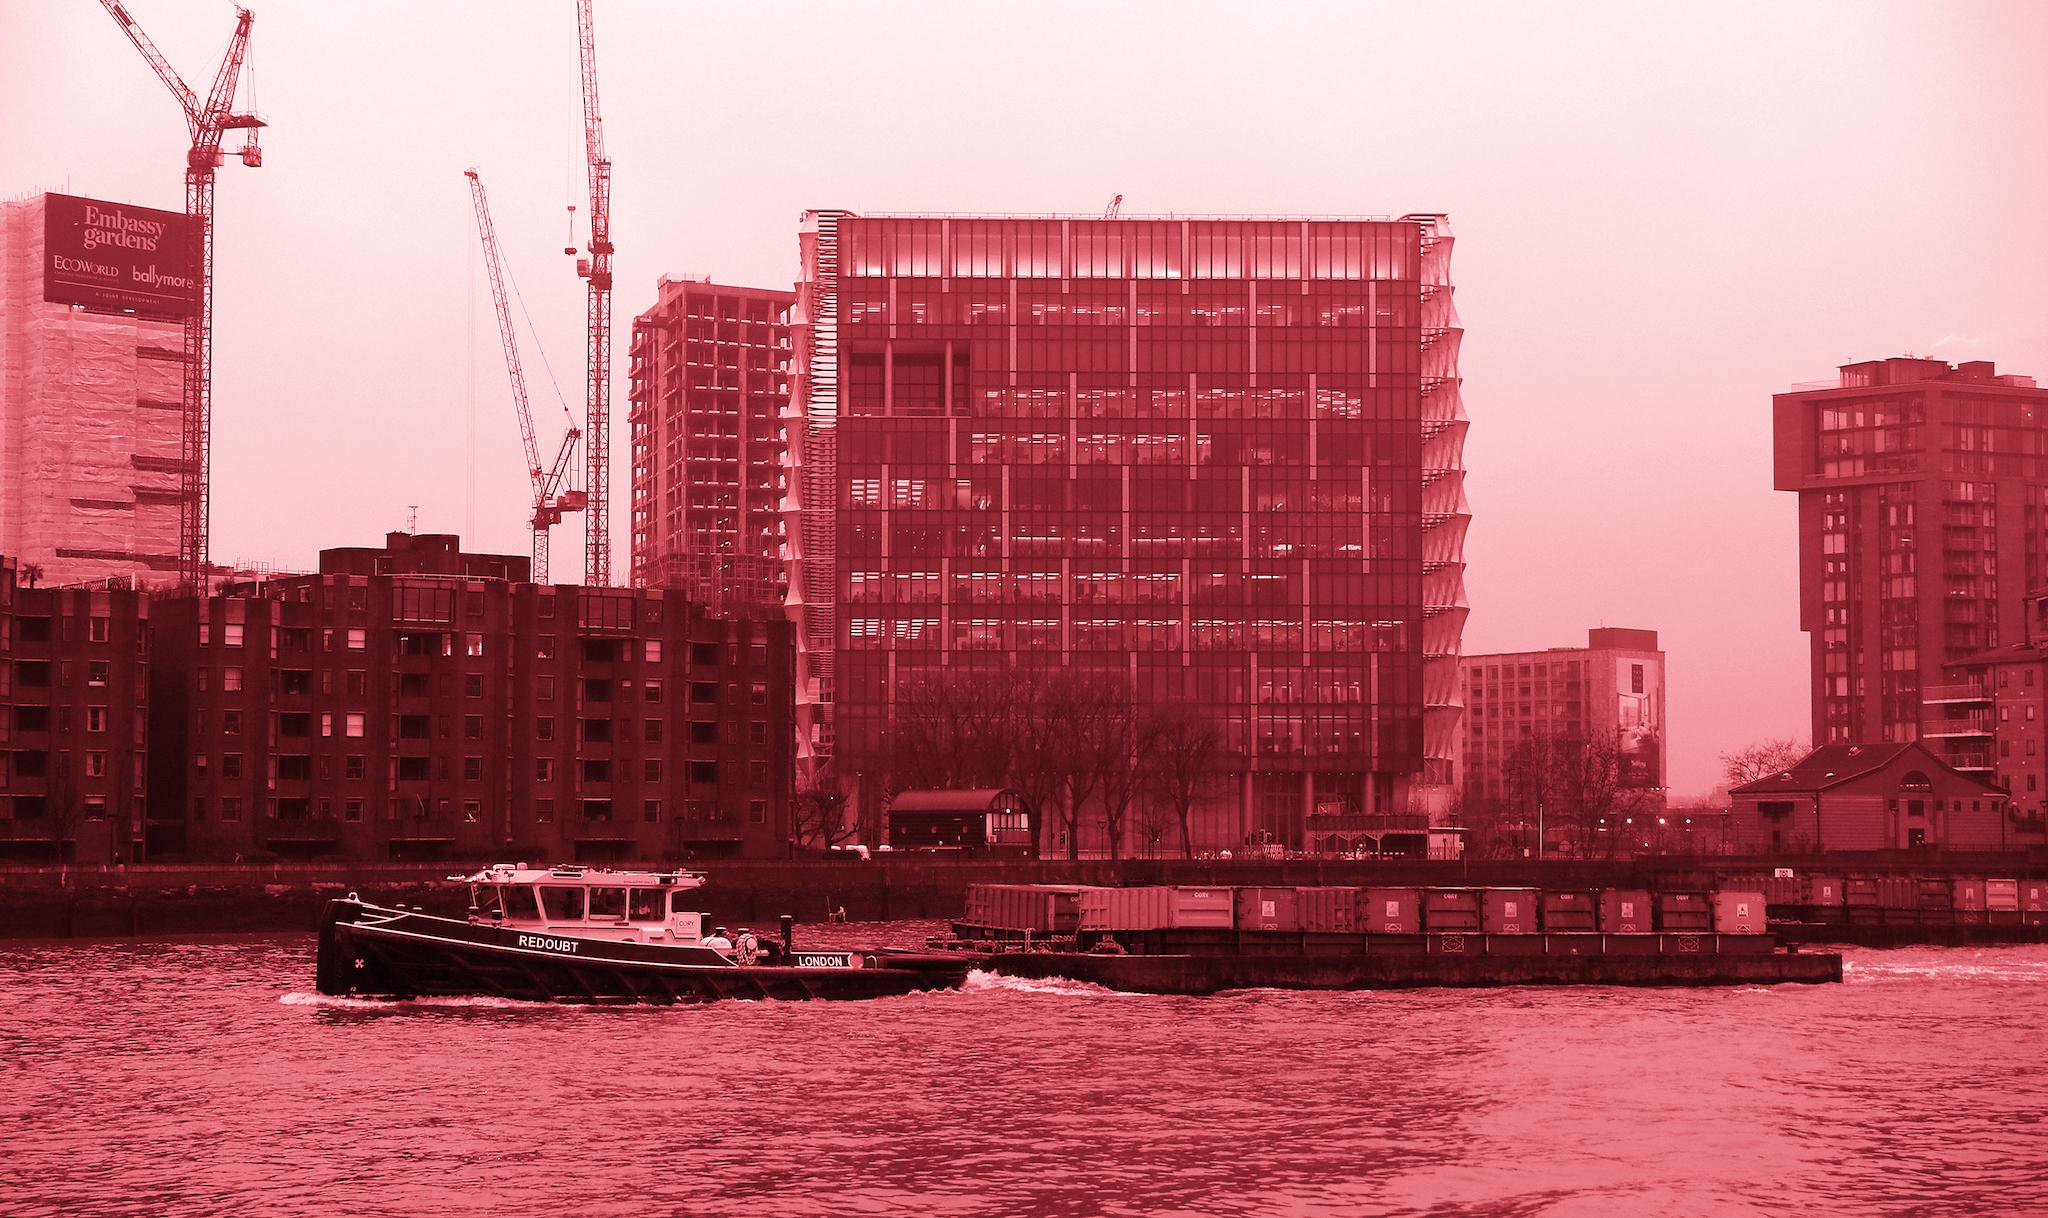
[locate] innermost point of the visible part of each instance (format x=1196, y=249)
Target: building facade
x=1216, y=460
x=91, y=440
x=710, y=380
x=73, y=696
x=1610, y=691
x=2007, y=688
x=1923, y=521
x=1899, y=796
x=419, y=702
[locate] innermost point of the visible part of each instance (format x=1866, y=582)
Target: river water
x=151, y=1077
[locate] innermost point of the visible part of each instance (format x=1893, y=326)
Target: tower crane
x=208, y=121
x=551, y=497
x=1115, y=208
x=597, y=270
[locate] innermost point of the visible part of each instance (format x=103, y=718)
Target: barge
x=577, y=934
x=1206, y=940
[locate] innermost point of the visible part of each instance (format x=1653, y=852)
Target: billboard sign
x=120, y=258
x=1639, y=722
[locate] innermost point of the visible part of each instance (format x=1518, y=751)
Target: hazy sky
x=1664, y=214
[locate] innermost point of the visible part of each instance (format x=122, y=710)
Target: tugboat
x=581, y=934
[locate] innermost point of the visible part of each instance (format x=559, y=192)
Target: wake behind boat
x=579, y=934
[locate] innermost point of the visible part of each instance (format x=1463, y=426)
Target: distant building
x=91, y=440
x=73, y=688
x=1923, y=521
x=2007, y=688
x=1894, y=796
x=1610, y=691
x=416, y=701
x=1218, y=461
x=710, y=381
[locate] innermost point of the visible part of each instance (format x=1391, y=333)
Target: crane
x=551, y=498
x=208, y=121
x=1115, y=208
x=597, y=270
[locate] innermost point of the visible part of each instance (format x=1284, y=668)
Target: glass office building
x=1219, y=459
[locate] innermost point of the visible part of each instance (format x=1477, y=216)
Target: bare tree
x=31, y=574
x=1067, y=730
x=1187, y=765
x=818, y=814
x=63, y=806
x=1130, y=752
x=1754, y=761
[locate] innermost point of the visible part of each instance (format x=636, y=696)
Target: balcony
x=1975, y=723
x=1967, y=692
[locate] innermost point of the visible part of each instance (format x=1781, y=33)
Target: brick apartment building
x=710, y=380
x=417, y=702
x=1923, y=523
x=1610, y=691
x=73, y=689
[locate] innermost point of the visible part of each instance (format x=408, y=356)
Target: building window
x=757, y=774
x=544, y=689
x=472, y=727
x=650, y=731
x=96, y=718
x=650, y=691
x=354, y=723
x=231, y=807
x=650, y=810
x=230, y=765
x=472, y=811
x=544, y=809
x=358, y=638
x=543, y=769
x=758, y=693
x=354, y=767
x=95, y=765
x=544, y=728
x=230, y=679
x=358, y=683
x=352, y=810
x=97, y=673
x=758, y=732
x=472, y=768
x=473, y=685
x=650, y=770
x=96, y=630
x=653, y=651
x=757, y=810
x=472, y=645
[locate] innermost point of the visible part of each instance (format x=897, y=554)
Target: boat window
x=679, y=901
x=563, y=904
x=608, y=903
x=645, y=905
x=518, y=901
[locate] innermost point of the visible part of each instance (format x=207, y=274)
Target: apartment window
x=650, y=810
x=472, y=811
x=96, y=718
x=545, y=647
x=650, y=770
x=547, y=604
x=326, y=723
x=230, y=679
x=230, y=765
x=472, y=685
x=472, y=768
x=358, y=683
x=231, y=634
x=472, y=645
x=231, y=722
x=472, y=727
x=544, y=689
x=543, y=809
x=543, y=769
x=352, y=810
x=650, y=691
x=95, y=765
x=757, y=810
x=758, y=732
x=353, y=724
x=97, y=673
x=231, y=807
x=757, y=693
x=757, y=774
x=96, y=629
x=652, y=651
x=358, y=638
x=354, y=767
x=205, y=679
x=544, y=728
x=650, y=731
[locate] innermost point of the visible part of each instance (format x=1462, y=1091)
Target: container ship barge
x=1896, y=910
x=1202, y=940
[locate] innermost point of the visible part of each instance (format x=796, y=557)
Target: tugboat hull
x=371, y=952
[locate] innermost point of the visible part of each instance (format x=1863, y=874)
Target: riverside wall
x=70, y=902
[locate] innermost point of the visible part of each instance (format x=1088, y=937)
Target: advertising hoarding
x=1639, y=726
x=120, y=258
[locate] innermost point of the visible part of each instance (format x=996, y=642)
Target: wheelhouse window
x=519, y=902
x=679, y=901
x=645, y=905
x=563, y=904
x=608, y=903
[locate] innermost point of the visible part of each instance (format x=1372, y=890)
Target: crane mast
x=597, y=269
x=550, y=499
x=207, y=121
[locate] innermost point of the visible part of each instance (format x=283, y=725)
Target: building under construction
x=91, y=369
x=710, y=378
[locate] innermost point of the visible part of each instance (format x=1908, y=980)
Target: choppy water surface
x=146, y=1077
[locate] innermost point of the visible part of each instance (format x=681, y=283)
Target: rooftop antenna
x=412, y=518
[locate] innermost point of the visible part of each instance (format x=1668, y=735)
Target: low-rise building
x=1609, y=692
x=73, y=688
x=415, y=701
x=1869, y=797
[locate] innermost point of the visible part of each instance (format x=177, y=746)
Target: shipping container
x=1204, y=908
x=1115, y=909
x=2002, y=896
x=1824, y=890
x=1860, y=891
x=1570, y=911
x=1039, y=909
x=1900, y=892
x=1935, y=893
x=1625, y=911
x=1328, y=909
x=1510, y=911
x=1685, y=912
x=1740, y=913
x=1971, y=902
x=1392, y=911
x=1785, y=890
x=2034, y=902
x=1450, y=910
x=1268, y=909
